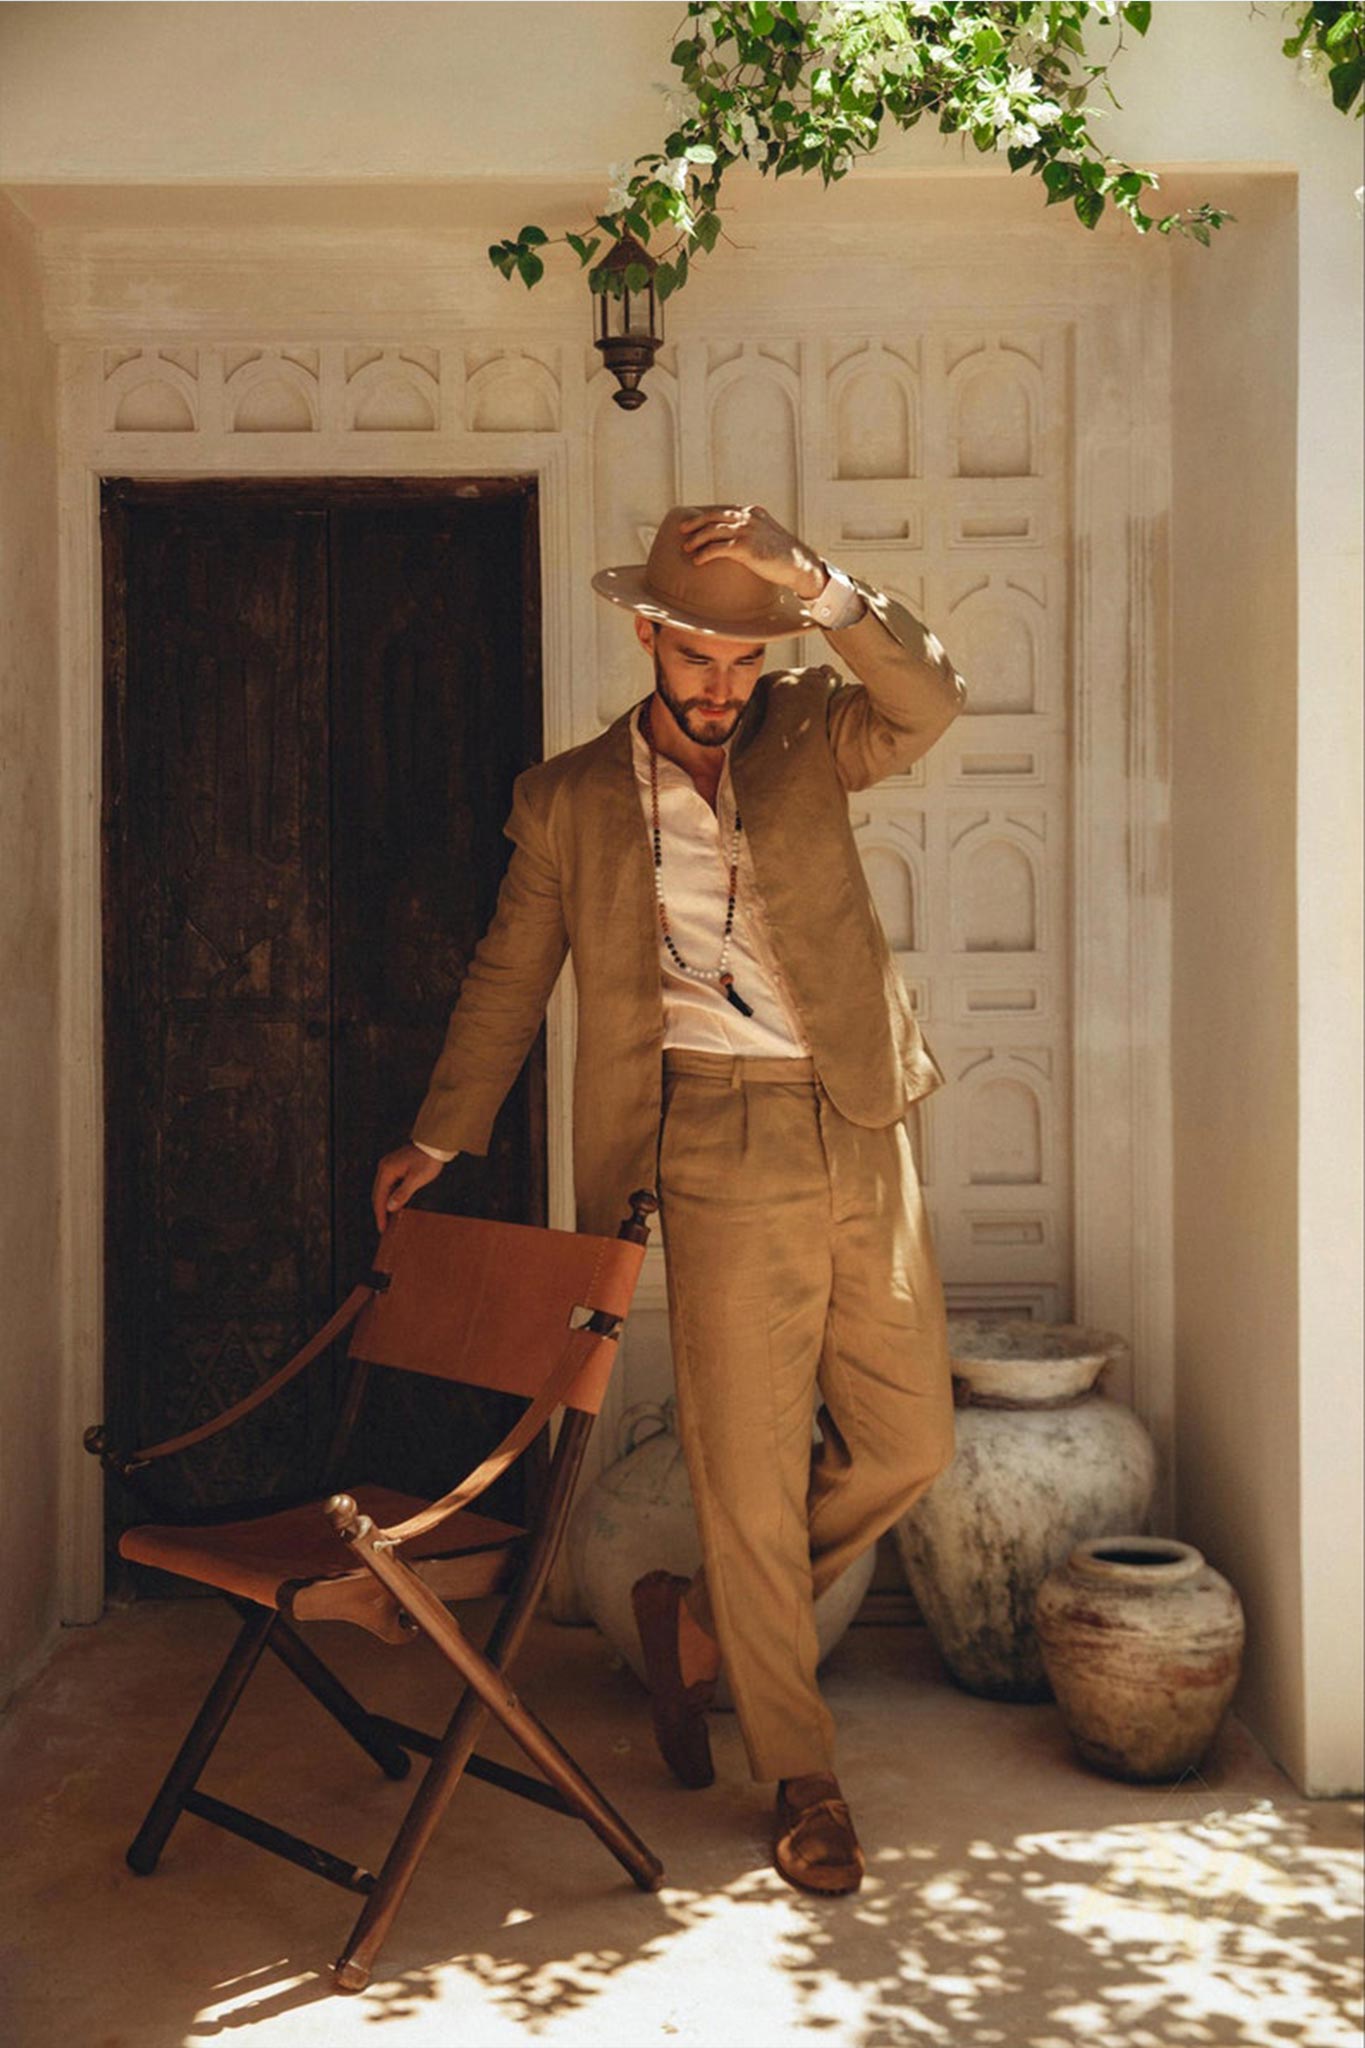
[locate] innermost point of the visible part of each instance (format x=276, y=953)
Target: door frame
x=80, y=686
x=1118, y=322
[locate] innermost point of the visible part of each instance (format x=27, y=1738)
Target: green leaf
x=1345, y=81
x=637, y=277
x=762, y=17
x=1138, y=15
x=1089, y=206
x=987, y=42
x=532, y=270
x=532, y=235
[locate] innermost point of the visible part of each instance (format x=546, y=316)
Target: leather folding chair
x=505, y=1306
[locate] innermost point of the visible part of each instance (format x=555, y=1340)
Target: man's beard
x=709, y=736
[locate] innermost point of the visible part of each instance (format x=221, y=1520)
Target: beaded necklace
x=719, y=973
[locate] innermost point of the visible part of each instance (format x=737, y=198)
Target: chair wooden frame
x=398, y=1597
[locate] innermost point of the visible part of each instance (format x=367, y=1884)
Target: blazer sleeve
x=907, y=694
x=505, y=990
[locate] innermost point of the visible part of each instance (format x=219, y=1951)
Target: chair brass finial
x=643, y=1204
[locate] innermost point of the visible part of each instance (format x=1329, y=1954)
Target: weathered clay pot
x=638, y=1514
x=1142, y=1641
x=1042, y=1459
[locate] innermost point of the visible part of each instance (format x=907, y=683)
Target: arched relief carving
x=390, y=393
x=753, y=407
x=874, y=409
x=269, y=393
x=513, y=394
x=995, y=413
x=151, y=393
x=891, y=863
x=1005, y=1131
x=995, y=887
x=634, y=481
x=996, y=636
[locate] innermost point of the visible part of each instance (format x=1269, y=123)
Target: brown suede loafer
x=815, y=1847
x=677, y=1711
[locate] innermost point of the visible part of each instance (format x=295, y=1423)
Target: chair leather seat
x=257, y=1558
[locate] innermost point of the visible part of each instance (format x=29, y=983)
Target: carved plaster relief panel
x=933, y=464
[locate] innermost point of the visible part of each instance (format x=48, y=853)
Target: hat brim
x=625, y=585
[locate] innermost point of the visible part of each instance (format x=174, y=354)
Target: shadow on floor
x=1015, y=1898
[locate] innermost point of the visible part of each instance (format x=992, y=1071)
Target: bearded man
x=747, y=1047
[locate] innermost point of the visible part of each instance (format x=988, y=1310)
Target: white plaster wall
x=30, y=1097
x=1292, y=1513
x=1234, y=1025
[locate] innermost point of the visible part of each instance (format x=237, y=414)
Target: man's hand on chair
x=398, y=1177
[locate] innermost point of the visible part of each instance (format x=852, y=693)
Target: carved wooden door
x=318, y=695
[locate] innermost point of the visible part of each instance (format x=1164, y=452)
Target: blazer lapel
x=616, y=855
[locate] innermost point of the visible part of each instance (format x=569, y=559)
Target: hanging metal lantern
x=625, y=325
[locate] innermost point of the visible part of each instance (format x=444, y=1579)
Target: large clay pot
x=1042, y=1459
x=638, y=1514
x=1142, y=1641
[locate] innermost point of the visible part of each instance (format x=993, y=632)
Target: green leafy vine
x=805, y=85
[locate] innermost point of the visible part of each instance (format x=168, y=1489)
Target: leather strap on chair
x=573, y=1359
x=332, y=1328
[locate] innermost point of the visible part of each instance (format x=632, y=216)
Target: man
x=746, y=1045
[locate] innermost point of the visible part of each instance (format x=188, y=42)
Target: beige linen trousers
x=814, y=1267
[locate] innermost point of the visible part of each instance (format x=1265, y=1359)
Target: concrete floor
x=1014, y=1896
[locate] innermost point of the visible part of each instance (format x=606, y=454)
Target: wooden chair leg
x=354, y=1964
x=146, y=1847
x=487, y=1690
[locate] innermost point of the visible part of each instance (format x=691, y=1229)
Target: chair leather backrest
x=490, y=1304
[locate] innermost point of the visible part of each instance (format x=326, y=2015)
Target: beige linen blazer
x=580, y=880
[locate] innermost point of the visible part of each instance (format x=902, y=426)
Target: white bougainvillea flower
x=619, y=195
x=681, y=103
x=674, y=171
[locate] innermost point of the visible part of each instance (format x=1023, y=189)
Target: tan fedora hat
x=720, y=597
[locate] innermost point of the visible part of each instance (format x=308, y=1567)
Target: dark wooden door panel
x=435, y=709
x=318, y=696
x=220, y=1226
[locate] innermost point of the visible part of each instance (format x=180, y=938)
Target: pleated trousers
x=802, y=1282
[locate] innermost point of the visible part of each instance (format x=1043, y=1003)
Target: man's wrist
x=818, y=577
x=840, y=603
x=444, y=1157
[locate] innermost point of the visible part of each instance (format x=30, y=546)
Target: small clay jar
x=1142, y=1642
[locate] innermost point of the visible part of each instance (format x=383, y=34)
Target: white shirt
x=695, y=846
x=694, y=850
